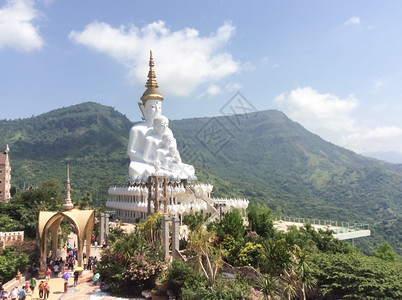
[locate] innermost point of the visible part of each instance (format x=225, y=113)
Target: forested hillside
x=265, y=157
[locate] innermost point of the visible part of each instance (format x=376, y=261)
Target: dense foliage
x=297, y=264
x=264, y=157
x=132, y=262
x=10, y=261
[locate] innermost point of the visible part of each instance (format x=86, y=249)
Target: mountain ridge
x=264, y=156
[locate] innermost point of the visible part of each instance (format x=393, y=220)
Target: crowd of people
x=26, y=289
x=53, y=270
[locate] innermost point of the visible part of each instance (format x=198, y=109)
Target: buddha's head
x=150, y=110
x=160, y=124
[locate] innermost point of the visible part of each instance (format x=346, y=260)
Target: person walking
x=65, y=285
x=33, y=284
x=76, y=274
x=41, y=289
x=48, y=272
x=46, y=290
x=14, y=293
x=23, y=293
x=4, y=295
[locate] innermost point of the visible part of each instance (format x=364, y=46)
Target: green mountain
x=263, y=156
x=91, y=138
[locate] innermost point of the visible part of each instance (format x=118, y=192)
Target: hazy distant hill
x=265, y=157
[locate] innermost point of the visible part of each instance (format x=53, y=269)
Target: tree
x=230, y=224
x=356, y=276
x=261, y=220
x=385, y=252
x=194, y=220
x=304, y=274
x=11, y=261
x=209, y=259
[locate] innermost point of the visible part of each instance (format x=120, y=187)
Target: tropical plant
x=180, y=275
x=268, y=285
x=151, y=229
x=209, y=259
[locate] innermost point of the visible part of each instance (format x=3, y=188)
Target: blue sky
x=333, y=66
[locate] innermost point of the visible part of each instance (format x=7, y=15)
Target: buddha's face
x=160, y=124
x=151, y=109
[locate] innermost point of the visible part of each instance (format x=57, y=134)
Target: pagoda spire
x=151, y=93
x=68, y=204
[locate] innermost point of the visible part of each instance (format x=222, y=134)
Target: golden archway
x=49, y=221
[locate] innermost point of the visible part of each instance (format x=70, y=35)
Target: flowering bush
x=131, y=263
x=142, y=267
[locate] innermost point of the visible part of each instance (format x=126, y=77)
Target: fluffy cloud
x=318, y=111
x=213, y=90
x=353, y=21
x=331, y=118
x=183, y=58
x=379, y=139
x=16, y=26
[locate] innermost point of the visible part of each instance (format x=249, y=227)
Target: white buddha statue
x=151, y=145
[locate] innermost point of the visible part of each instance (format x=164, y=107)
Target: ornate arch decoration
x=83, y=222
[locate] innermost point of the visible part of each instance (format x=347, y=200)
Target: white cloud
x=352, y=21
x=213, y=90
x=385, y=138
x=330, y=117
x=319, y=111
x=16, y=26
x=183, y=59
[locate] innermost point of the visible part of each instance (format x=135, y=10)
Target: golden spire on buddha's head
x=151, y=93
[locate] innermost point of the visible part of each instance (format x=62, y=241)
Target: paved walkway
x=81, y=291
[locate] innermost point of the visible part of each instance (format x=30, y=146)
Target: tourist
x=89, y=263
x=48, y=272
x=96, y=245
x=65, y=285
x=46, y=290
x=26, y=287
x=56, y=269
x=4, y=295
x=33, y=284
x=85, y=262
x=41, y=289
x=76, y=274
x=14, y=293
x=23, y=293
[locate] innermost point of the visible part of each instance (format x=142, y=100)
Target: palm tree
x=268, y=286
x=304, y=274
x=151, y=229
x=289, y=290
x=208, y=260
